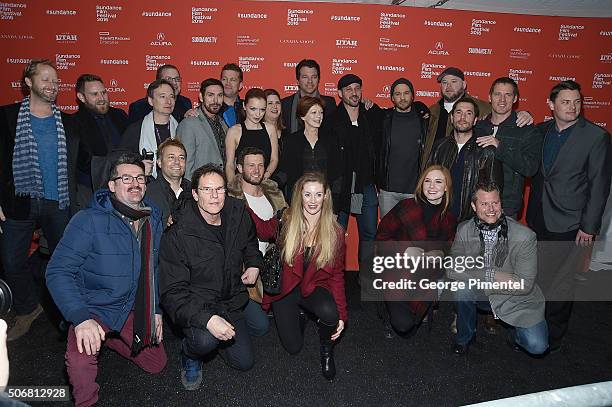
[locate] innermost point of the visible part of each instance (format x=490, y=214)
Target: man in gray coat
x=204, y=135
x=503, y=279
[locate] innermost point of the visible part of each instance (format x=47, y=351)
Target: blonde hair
x=295, y=226
x=418, y=193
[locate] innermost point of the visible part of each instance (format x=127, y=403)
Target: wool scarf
x=500, y=250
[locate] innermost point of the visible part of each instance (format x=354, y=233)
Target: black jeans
x=403, y=321
x=287, y=315
x=237, y=352
x=14, y=245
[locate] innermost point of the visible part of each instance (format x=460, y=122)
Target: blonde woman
x=313, y=252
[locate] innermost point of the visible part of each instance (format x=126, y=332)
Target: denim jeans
x=256, y=319
x=533, y=339
x=367, y=221
x=237, y=352
x=15, y=242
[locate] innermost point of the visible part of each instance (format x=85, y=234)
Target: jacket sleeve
x=63, y=276
x=525, y=267
x=337, y=279
x=599, y=169
x=183, y=308
x=490, y=168
x=461, y=250
x=251, y=254
x=523, y=158
x=186, y=135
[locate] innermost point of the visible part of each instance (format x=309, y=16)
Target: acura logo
x=439, y=45
x=114, y=83
x=161, y=37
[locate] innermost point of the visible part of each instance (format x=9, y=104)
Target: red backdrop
x=125, y=41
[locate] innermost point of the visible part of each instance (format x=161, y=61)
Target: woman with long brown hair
x=312, y=251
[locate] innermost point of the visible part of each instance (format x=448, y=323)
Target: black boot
x=328, y=367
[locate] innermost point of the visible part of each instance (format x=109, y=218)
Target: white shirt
x=262, y=208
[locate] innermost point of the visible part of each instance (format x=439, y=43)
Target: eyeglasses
x=210, y=190
x=128, y=179
x=173, y=79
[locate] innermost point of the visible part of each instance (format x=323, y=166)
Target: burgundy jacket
x=330, y=277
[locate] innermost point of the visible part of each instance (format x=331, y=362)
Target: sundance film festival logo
x=252, y=16
x=340, y=66
x=346, y=43
x=58, y=12
x=430, y=23
x=481, y=26
x=480, y=51
x=532, y=30
x=152, y=62
x=518, y=53
x=10, y=11
x=66, y=38
x=106, y=38
x=439, y=49
x=114, y=87
x=519, y=75
x=429, y=71
x=249, y=63
x=389, y=20
x=106, y=13
x=201, y=14
x=203, y=62
x=160, y=41
x=66, y=61
x=601, y=80
x=297, y=17
x=385, y=44
x=385, y=92
x=246, y=40
x=205, y=40
x=345, y=18
x=568, y=31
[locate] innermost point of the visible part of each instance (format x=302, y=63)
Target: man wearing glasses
x=140, y=108
x=103, y=277
x=206, y=259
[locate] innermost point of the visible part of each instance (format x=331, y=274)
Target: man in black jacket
x=207, y=257
x=467, y=161
x=308, y=74
x=518, y=148
x=400, y=148
x=38, y=149
x=169, y=190
x=100, y=127
x=567, y=200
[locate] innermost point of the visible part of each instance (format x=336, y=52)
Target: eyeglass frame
x=218, y=190
x=131, y=177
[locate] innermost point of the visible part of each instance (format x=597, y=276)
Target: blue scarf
x=26, y=169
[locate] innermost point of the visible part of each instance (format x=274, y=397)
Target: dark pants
x=256, y=319
x=237, y=352
x=403, y=321
x=14, y=245
x=83, y=369
x=287, y=315
x=558, y=260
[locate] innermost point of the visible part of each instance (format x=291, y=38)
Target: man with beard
x=231, y=78
x=204, y=135
x=518, y=148
x=468, y=162
x=264, y=200
x=169, y=190
x=508, y=269
x=170, y=73
x=38, y=154
x=100, y=127
x=308, y=74
x=103, y=277
x=403, y=132
x=453, y=87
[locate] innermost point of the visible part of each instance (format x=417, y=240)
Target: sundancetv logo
x=480, y=51
x=204, y=40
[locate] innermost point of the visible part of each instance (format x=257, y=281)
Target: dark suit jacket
x=18, y=207
x=573, y=194
x=140, y=108
x=287, y=103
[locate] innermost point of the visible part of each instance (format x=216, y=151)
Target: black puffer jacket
x=198, y=278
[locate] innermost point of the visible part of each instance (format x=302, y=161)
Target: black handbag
x=272, y=266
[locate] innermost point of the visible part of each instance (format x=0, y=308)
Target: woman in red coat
x=313, y=252
x=424, y=227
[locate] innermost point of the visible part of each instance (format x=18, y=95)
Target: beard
x=250, y=180
x=452, y=97
x=213, y=109
x=39, y=92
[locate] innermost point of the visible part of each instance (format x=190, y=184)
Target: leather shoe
x=460, y=349
x=328, y=367
x=23, y=324
x=490, y=325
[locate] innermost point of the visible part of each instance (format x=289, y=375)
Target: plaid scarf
x=144, y=304
x=26, y=169
x=499, y=251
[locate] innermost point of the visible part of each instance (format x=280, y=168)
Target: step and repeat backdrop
x=125, y=41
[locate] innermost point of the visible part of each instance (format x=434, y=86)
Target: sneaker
x=23, y=324
x=191, y=373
